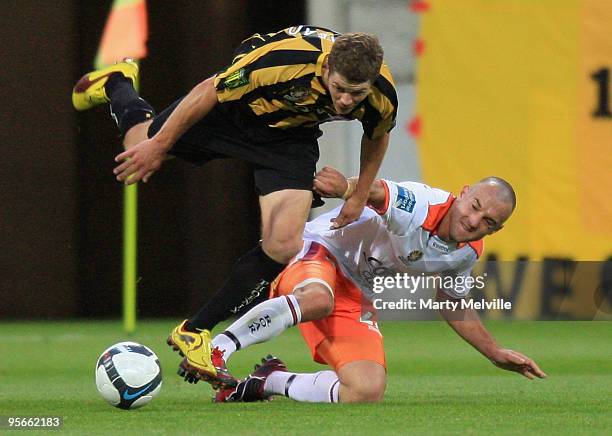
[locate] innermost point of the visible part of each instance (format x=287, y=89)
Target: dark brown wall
x=61, y=207
x=38, y=168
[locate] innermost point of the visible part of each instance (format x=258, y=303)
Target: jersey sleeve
x=380, y=108
x=268, y=62
x=400, y=206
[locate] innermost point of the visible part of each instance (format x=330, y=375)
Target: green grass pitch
x=437, y=384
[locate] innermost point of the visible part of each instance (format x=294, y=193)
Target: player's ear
x=325, y=65
x=464, y=191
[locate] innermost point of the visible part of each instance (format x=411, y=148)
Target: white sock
x=225, y=344
x=260, y=324
x=320, y=387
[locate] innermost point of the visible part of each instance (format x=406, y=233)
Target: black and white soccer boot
x=251, y=389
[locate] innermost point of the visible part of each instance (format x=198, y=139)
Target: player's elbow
x=207, y=92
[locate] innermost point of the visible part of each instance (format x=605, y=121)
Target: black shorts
x=281, y=160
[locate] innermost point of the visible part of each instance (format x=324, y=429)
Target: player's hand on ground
x=139, y=162
x=351, y=210
x=330, y=183
x=514, y=361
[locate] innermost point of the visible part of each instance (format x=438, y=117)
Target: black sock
x=247, y=285
x=127, y=107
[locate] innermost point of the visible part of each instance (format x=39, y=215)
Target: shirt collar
x=319, y=86
x=435, y=213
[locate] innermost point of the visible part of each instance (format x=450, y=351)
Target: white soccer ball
x=128, y=375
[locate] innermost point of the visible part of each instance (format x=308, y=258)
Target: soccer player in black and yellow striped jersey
x=265, y=108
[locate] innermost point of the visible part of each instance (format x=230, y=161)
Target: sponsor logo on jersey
x=307, y=31
x=413, y=256
x=237, y=79
x=441, y=247
x=405, y=199
x=373, y=268
x=297, y=94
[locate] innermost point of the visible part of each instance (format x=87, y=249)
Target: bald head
x=503, y=189
x=479, y=210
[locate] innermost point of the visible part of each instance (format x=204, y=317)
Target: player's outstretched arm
x=467, y=324
x=372, y=153
x=142, y=160
x=331, y=183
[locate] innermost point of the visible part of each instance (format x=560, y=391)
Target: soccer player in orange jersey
x=408, y=228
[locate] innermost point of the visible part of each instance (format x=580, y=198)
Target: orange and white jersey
x=400, y=239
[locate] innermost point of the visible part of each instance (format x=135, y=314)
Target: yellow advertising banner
x=521, y=89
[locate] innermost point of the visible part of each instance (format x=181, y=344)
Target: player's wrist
x=493, y=353
x=350, y=189
x=162, y=142
x=360, y=196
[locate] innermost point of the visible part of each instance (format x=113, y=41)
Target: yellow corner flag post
x=125, y=35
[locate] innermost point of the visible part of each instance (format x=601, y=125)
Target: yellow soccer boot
x=89, y=90
x=195, y=347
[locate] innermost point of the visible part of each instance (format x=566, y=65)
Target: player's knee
x=282, y=248
x=324, y=302
x=362, y=382
x=315, y=300
x=136, y=134
x=369, y=390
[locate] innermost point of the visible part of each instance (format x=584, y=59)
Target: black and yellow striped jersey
x=275, y=80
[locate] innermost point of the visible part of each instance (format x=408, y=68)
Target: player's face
x=346, y=95
x=477, y=212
